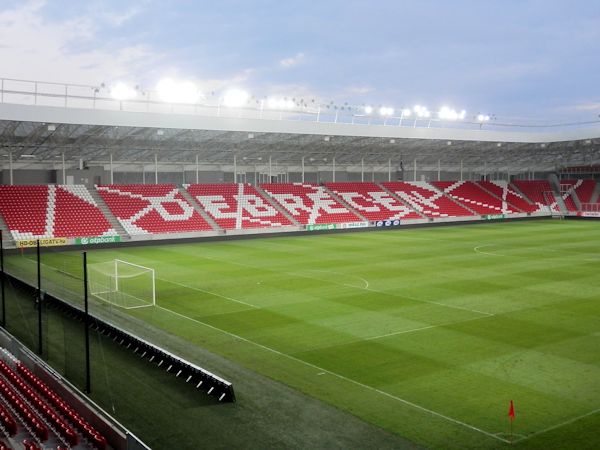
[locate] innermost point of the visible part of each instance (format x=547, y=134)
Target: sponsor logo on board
x=97, y=240
x=494, y=216
x=387, y=223
x=44, y=242
x=356, y=225
x=321, y=226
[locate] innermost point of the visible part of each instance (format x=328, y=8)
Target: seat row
x=40, y=410
x=71, y=211
x=84, y=427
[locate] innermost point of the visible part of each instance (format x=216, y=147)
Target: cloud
x=592, y=106
x=118, y=19
x=70, y=51
x=360, y=89
x=287, y=63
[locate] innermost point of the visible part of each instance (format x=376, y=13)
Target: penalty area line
x=210, y=293
x=341, y=377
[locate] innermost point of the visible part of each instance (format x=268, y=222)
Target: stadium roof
x=39, y=135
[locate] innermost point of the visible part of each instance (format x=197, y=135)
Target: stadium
x=238, y=270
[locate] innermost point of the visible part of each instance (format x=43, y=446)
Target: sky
x=536, y=59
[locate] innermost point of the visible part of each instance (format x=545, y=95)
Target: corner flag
x=511, y=411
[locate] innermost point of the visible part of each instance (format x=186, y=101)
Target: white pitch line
x=412, y=330
x=209, y=292
x=562, y=424
x=476, y=249
x=353, y=287
x=463, y=308
x=342, y=377
x=350, y=275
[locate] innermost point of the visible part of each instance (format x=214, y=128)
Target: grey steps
x=6, y=234
x=343, y=202
x=401, y=200
x=192, y=201
x=596, y=193
x=514, y=188
x=114, y=222
x=275, y=204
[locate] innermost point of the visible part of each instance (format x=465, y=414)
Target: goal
x=122, y=283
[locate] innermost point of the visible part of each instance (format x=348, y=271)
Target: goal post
x=122, y=283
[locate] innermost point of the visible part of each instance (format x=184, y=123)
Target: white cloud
x=287, y=63
x=118, y=19
x=360, y=89
x=34, y=48
x=592, y=106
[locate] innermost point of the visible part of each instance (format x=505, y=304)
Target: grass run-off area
x=426, y=332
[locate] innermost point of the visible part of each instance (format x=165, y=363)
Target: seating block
x=309, y=203
x=372, y=202
x=152, y=209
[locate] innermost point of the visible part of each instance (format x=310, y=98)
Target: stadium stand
x=472, y=196
x=372, y=202
x=46, y=211
x=236, y=206
x=427, y=199
x=540, y=192
x=151, y=209
x=584, y=189
x=501, y=190
x=39, y=411
x=309, y=203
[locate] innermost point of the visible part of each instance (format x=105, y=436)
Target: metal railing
x=41, y=93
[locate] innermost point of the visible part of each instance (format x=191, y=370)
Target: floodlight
x=386, y=111
x=280, y=103
x=172, y=91
x=406, y=112
x=421, y=111
x=121, y=91
x=235, y=98
x=446, y=113
x=480, y=117
x=368, y=109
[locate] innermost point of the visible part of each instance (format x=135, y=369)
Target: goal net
x=122, y=283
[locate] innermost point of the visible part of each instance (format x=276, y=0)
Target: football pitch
x=428, y=333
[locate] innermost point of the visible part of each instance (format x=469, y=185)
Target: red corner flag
x=511, y=411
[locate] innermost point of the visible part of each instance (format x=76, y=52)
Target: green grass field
x=428, y=333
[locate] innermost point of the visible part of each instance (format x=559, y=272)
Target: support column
x=10, y=167
x=270, y=170
x=333, y=164
x=439, y=170
x=111, y=169
x=155, y=168
x=64, y=171
x=143, y=174
x=415, y=169
x=461, y=170
x=303, y=169
x=390, y=169
x=197, y=171
x=362, y=169
x=235, y=168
